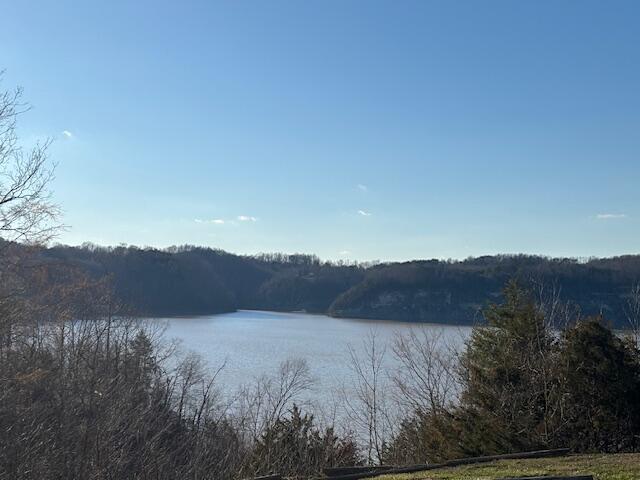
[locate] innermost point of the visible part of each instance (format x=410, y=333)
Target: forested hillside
x=194, y=280
x=454, y=292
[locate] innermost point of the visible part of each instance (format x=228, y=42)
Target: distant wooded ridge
x=191, y=280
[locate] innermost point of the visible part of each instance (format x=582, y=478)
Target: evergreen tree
x=600, y=392
x=294, y=446
x=506, y=371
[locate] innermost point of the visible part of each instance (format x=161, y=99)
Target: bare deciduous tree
x=265, y=402
x=26, y=211
x=425, y=378
x=633, y=313
x=558, y=313
x=367, y=399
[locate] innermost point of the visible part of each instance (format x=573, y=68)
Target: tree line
x=197, y=280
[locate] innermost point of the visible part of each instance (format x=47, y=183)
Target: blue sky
x=356, y=130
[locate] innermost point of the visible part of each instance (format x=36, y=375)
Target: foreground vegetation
x=602, y=467
x=524, y=386
x=88, y=393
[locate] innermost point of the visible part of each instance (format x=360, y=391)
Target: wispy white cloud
x=222, y=221
x=362, y=187
x=67, y=134
x=216, y=221
x=344, y=252
x=364, y=214
x=610, y=216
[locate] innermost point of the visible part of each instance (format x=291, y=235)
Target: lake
x=253, y=343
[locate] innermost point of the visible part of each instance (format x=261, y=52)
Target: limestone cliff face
x=408, y=304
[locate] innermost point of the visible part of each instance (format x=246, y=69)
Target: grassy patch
x=602, y=467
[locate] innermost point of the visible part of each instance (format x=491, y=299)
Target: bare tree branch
x=27, y=213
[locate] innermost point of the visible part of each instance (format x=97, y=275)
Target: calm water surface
x=253, y=343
